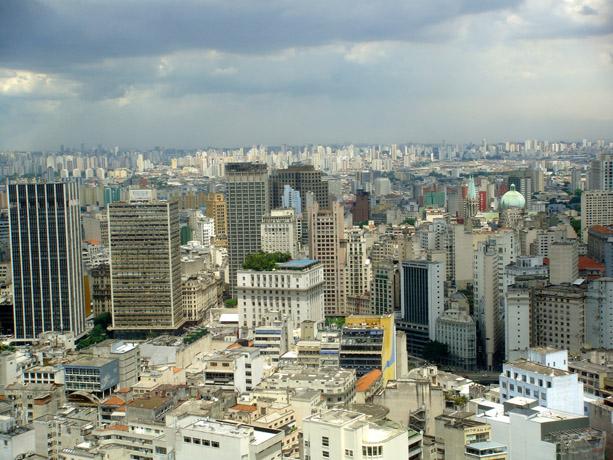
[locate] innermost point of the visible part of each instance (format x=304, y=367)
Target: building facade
x=145, y=249
x=247, y=198
x=45, y=240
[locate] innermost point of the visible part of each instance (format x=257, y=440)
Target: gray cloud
x=53, y=34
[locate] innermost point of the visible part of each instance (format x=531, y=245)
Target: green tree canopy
x=261, y=261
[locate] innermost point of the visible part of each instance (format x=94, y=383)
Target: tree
x=265, y=261
x=576, y=224
x=409, y=221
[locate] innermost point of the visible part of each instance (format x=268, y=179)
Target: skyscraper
x=217, y=209
x=248, y=200
x=422, y=301
x=144, y=243
x=303, y=178
x=326, y=242
x=45, y=236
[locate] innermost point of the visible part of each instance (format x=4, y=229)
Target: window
x=348, y=453
x=325, y=454
x=325, y=441
x=214, y=444
x=187, y=439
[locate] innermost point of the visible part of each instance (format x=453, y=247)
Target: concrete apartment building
x=599, y=314
x=145, y=252
x=563, y=258
x=559, y=316
x=596, y=209
x=294, y=290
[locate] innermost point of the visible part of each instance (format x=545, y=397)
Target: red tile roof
x=368, y=380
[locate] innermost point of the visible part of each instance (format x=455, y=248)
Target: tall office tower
x=538, y=179
x=601, y=173
x=385, y=288
x=361, y=208
x=327, y=244
x=247, y=196
x=421, y=302
x=600, y=246
x=203, y=229
x=559, y=317
x=45, y=240
x=599, y=314
x=596, y=209
x=458, y=330
x=358, y=269
x=217, y=210
x=281, y=232
x=303, y=178
x=563, y=259
x=471, y=205
x=517, y=322
x=145, y=253
x=291, y=199
x=487, y=303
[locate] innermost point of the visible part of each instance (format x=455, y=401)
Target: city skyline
x=213, y=73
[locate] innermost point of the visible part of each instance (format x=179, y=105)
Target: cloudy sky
x=193, y=73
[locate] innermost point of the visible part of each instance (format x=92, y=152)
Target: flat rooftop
x=88, y=361
x=297, y=264
x=537, y=368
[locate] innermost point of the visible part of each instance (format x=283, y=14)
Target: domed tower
x=512, y=206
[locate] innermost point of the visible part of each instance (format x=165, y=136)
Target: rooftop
x=88, y=361
x=537, y=368
x=365, y=382
x=297, y=264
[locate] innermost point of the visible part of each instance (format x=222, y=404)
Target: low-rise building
x=99, y=376
x=454, y=432
x=340, y=434
x=337, y=386
x=236, y=369
x=15, y=441
x=553, y=387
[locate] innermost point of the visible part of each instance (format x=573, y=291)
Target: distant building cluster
x=396, y=302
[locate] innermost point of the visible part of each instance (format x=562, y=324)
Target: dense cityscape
x=394, y=302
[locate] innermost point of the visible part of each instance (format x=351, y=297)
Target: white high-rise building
x=293, y=290
x=517, y=324
x=487, y=301
x=203, y=229
x=341, y=434
x=358, y=269
x=599, y=314
x=280, y=232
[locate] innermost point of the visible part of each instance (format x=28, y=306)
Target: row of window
x=200, y=442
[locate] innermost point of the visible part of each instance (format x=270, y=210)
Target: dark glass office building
x=45, y=240
x=422, y=301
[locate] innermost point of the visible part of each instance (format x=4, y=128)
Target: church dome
x=512, y=199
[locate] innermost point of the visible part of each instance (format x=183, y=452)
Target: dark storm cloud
x=51, y=34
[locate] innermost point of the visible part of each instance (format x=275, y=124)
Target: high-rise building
x=45, y=239
x=600, y=246
x=327, y=244
x=599, y=314
x=281, y=232
x=385, y=288
x=303, y=178
x=145, y=254
x=563, y=258
x=247, y=197
x=291, y=199
x=361, y=207
x=517, y=322
x=217, y=209
x=559, y=317
x=471, y=204
x=358, y=270
x=601, y=173
x=596, y=209
x=458, y=330
x=487, y=302
x=203, y=229
x=422, y=301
